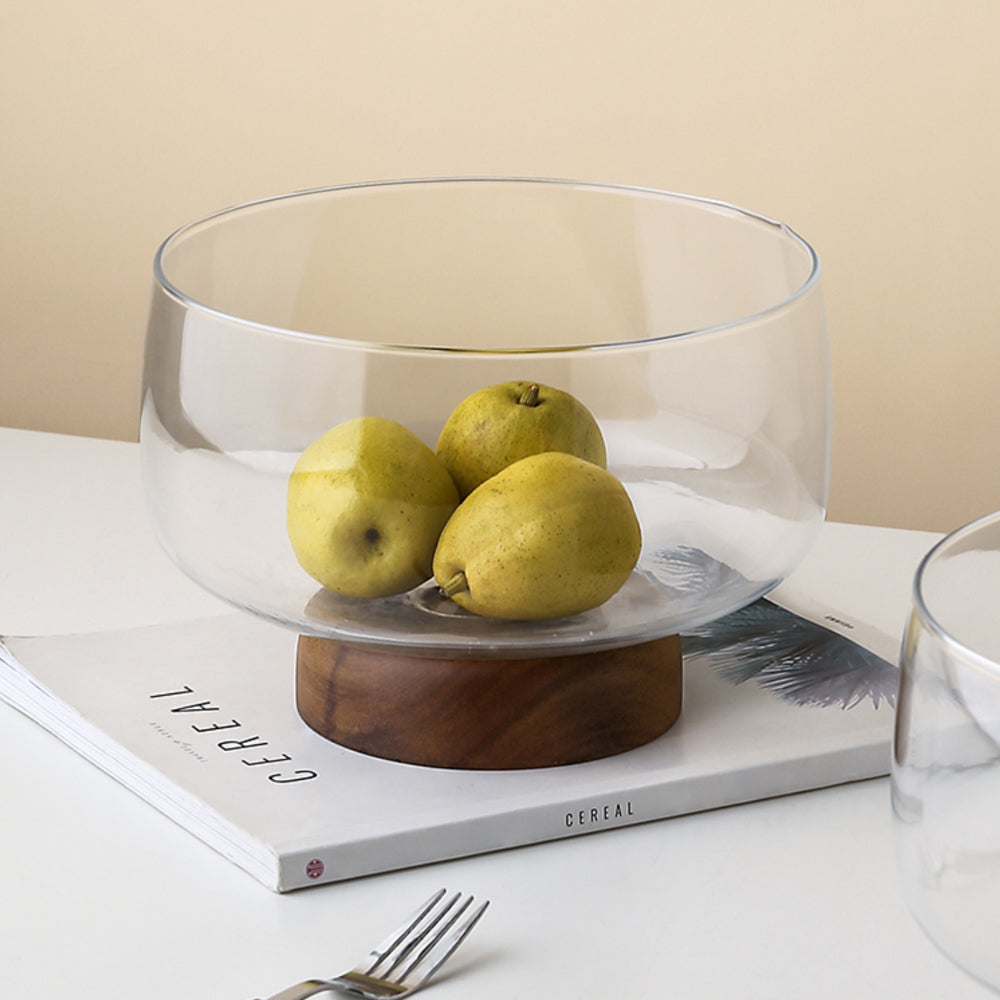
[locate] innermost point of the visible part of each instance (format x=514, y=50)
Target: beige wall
x=869, y=127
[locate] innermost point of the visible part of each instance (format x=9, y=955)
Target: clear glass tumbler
x=946, y=759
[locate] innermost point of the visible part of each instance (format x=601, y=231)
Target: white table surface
x=101, y=896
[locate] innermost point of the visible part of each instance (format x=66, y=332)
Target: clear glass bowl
x=946, y=759
x=692, y=330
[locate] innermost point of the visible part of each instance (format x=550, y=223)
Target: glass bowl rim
x=921, y=609
x=751, y=318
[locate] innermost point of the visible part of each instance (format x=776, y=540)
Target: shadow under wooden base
x=489, y=714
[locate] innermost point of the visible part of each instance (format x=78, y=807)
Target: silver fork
x=407, y=958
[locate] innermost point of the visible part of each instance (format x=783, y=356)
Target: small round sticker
x=315, y=868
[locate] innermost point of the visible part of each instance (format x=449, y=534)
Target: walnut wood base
x=489, y=714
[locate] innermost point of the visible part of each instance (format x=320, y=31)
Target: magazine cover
x=198, y=718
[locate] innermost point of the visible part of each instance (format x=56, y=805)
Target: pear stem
x=529, y=397
x=455, y=585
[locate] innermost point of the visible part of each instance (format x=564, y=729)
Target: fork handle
x=300, y=991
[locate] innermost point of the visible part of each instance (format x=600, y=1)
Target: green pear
x=550, y=535
x=496, y=426
x=366, y=503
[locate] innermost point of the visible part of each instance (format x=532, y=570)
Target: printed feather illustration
x=797, y=660
x=689, y=571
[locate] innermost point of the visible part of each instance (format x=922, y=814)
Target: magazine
x=198, y=718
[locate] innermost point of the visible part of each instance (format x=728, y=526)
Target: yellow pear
x=500, y=424
x=550, y=535
x=366, y=503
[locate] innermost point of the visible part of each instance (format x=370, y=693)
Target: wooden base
x=489, y=714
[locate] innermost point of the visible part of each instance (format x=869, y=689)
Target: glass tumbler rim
x=775, y=308
x=920, y=605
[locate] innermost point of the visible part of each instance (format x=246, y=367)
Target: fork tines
x=415, y=951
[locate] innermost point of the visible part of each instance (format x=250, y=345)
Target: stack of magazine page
x=199, y=719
